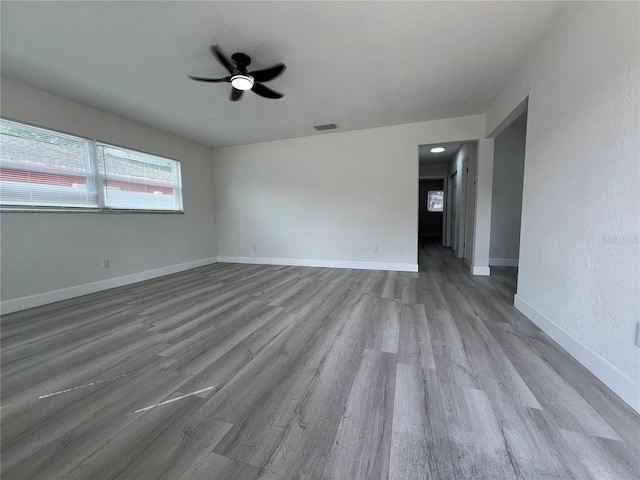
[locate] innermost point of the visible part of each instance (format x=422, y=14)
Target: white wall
x=433, y=170
x=329, y=199
x=579, y=272
x=46, y=252
x=506, y=203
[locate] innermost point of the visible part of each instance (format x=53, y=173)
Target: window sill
x=85, y=210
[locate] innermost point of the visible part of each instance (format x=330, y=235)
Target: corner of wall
x=618, y=381
x=503, y=262
x=216, y=213
x=481, y=270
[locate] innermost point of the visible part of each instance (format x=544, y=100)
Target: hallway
x=251, y=371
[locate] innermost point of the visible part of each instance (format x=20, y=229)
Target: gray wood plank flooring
x=246, y=372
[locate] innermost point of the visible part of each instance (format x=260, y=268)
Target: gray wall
x=433, y=170
x=506, y=203
x=46, y=252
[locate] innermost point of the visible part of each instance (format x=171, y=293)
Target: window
x=138, y=181
x=45, y=170
x=435, y=200
x=39, y=168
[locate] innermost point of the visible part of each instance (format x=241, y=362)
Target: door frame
x=450, y=210
x=462, y=211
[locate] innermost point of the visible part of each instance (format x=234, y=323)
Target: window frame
x=101, y=208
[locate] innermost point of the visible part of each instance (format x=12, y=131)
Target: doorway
x=434, y=200
x=455, y=165
x=507, y=189
x=431, y=210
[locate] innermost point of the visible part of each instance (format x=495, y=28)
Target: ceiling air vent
x=328, y=126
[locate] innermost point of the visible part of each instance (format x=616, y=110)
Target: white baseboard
x=503, y=262
x=398, y=267
x=480, y=270
x=618, y=381
x=31, y=301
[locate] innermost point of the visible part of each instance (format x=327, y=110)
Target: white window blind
x=43, y=170
x=40, y=168
x=138, y=181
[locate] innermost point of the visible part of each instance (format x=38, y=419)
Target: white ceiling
x=358, y=64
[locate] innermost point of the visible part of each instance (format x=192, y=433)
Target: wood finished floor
x=250, y=372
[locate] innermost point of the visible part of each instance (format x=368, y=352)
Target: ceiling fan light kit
x=242, y=82
x=241, y=79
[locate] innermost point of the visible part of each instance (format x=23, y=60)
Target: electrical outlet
x=375, y=249
x=105, y=263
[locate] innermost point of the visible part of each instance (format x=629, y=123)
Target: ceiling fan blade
x=219, y=54
x=267, y=74
x=211, y=80
x=236, y=94
x=265, y=92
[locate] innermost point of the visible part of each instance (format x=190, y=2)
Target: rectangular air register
x=328, y=126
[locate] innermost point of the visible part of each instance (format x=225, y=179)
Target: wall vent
x=328, y=126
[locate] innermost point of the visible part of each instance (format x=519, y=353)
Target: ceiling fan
x=241, y=79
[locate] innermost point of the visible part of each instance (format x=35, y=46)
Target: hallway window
x=435, y=200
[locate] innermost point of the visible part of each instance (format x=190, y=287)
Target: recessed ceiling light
x=437, y=150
